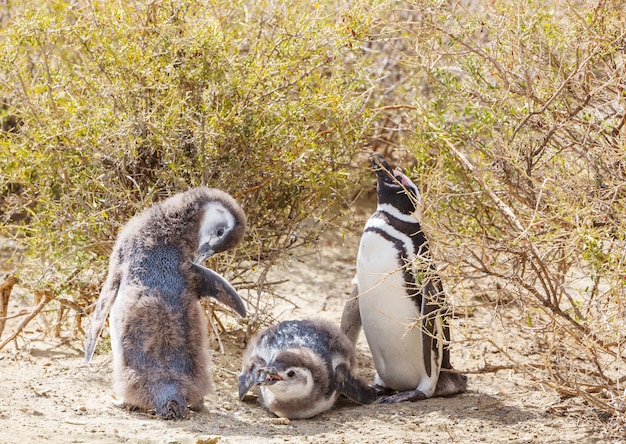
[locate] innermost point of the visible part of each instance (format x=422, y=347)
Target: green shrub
x=512, y=116
x=519, y=141
x=108, y=107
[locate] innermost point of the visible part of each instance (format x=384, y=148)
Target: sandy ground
x=48, y=393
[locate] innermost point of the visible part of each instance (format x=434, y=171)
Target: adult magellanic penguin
x=301, y=367
x=154, y=284
x=399, y=298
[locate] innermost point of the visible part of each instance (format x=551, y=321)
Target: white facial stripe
x=376, y=222
x=390, y=209
x=404, y=179
x=308, y=388
x=215, y=215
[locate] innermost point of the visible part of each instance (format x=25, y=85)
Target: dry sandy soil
x=48, y=393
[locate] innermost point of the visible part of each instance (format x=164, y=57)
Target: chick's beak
x=203, y=253
x=270, y=376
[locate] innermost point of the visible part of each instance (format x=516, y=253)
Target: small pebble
x=212, y=440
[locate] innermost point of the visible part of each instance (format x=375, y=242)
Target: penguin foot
x=381, y=390
x=120, y=404
x=411, y=395
x=171, y=410
x=451, y=384
x=198, y=407
x=126, y=406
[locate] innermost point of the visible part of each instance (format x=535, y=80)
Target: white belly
x=387, y=314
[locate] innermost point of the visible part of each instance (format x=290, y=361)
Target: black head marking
x=393, y=187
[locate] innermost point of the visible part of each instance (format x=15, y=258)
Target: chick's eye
x=220, y=232
x=291, y=373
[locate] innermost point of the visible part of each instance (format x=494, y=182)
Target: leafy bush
x=519, y=144
x=108, y=107
x=513, y=116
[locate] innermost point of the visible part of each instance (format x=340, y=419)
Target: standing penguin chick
x=399, y=300
x=301, y=368
x=157, y=326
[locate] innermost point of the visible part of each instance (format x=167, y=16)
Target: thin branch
x=44, y=301
x=6, y=286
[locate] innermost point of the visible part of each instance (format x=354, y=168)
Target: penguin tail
x=171, y=410
x=169, y=403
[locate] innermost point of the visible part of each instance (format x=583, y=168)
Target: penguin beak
x=203, y=253
x=385, y=173
x=379, y=164
x=383, y=170
x=271, y=376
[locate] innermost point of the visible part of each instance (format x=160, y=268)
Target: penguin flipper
x=353, y=387
x=247, y=379
x=103, y=307
x=351, y=317
x=245, y=382
x=433, y=324
x=215, y=286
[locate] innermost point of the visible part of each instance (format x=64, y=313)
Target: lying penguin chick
x=158, y=328
x=397, y=286
x=301, y=367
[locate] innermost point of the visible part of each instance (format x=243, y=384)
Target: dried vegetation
x=519, y=140
x=511, y=115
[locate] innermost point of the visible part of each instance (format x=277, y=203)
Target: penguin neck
x=387, y=208
x=402, y=229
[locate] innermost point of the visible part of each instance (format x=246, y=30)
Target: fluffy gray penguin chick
x=157, y=326
x=398, y=287
x=300, y=368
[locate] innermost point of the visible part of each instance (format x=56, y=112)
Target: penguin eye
x=220, y=232
x=291, y=373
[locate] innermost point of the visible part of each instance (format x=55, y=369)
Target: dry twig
x=42, y=303
x=6, y=286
